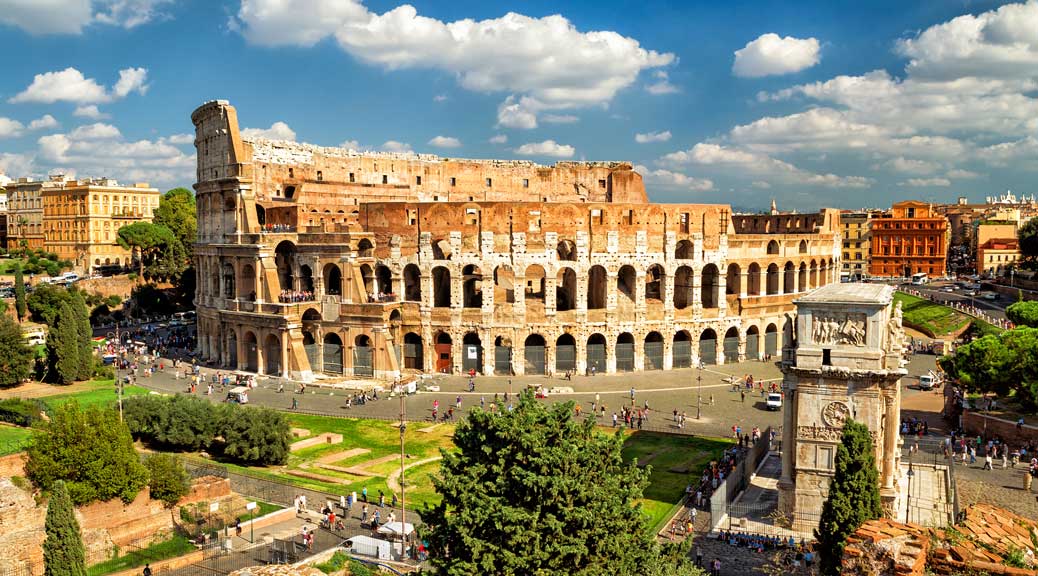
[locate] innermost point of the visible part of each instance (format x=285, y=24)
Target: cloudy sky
x=812, y=103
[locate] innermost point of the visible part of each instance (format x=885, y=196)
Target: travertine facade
x=846, y=362
x=412, y=262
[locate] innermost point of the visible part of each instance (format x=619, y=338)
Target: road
x=994, y=308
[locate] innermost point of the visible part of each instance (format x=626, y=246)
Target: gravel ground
x=1009, y=494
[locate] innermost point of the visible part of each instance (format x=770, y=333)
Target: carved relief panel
x=838, y=328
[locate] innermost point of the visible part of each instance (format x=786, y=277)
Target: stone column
x=788, y=435
x=722, y=293
x=890, y=431
x=611, y=291
x=639, y=290
x=285, y=356
x=456, y=288
x=549, y=295
x=762, y=282
x=610, y=355
x=639, y=354
x=744, y=284
x=243, y=352
x=668, y=294
x=488, y=350
x=697, y=292
x=668, y=352
x=582, y=288
x=257, y=281
x=261, y=356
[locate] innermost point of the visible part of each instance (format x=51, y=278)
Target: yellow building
x=856, y=235
x=81, y=220
x=996, y=255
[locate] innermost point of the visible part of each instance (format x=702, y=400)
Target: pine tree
x=63, y=553
x=63, y=351
x=853, y=495
x=19, y=293
x=16, y=358
x=535, y=491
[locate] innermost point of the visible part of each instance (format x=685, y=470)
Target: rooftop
x=849, y=293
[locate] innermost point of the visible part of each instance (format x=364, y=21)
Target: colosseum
x=363, y=264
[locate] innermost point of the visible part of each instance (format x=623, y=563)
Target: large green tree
x=167, y=478
x=16, y=358
x=147, y=239
x=1005, y=364
x=63, y=552
x=176, y=211
x=19, y=293
x=64, y=355
x=1024, y=313
x=90, y=450
x=256, y=435
x=853, y=495
x=84, y=333
x=1028, y=237
x=535, y=491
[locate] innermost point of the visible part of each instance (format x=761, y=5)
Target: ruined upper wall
x=323, y=177
x=825, y=220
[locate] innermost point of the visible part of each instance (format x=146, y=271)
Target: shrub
x=20, y=412
x=255, y=435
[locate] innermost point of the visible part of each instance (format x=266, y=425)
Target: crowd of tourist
x=278, y=228
x=380, y=297
x=290, y=296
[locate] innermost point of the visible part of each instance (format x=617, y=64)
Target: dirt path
x=392, y=481
x=39, y=390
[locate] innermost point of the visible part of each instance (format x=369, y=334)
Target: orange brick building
x=909, y=239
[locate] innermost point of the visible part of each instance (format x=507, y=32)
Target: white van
x=69, y=277
x=774, y=401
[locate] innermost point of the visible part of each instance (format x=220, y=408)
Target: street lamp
x=699, y=403
x=403, y=500
x=908, y=500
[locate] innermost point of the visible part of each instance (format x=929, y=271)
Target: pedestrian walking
x=742, y=395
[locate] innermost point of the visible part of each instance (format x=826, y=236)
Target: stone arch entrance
x=708, y=347
x=472, y=350
x=502, y=356
x=332, y=355
x=625, y=352
x=565, y=354
x=771, y=340
x=597, y=282
x=731, y=345
x=272, y=351
x=752, y=343
x=363, y=361
x=444, y=360
x=682, y=350
x=413, y=353
x=653, y=351
x=412, y=283
x=596, y=353
x=534, y=354
x=251, y=352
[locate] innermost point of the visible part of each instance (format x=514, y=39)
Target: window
x=526, y=182
x=827, y=357
x=418, y=180
x=471, y=216
x=385, y=179
x=290, y=174
x=684, y=222
x=601, y=183
x=320, y=176
x=911, y=212
x=824, y=458
x=628, y=217
x=846, y=256
x=596, y=216
x=490, y=183
x=352, y=177
x=454, y=181
x=412, y=217
x=535, y=221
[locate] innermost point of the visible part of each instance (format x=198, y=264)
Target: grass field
x=929, y=316
x=176, y=546
x=674, y=461
x=99, y=393
x=13, y=439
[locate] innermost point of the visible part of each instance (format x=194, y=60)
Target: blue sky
x=813, y=103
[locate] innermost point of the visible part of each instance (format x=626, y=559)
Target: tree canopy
x=176, y=212
x=19, y=293
x=148, y=239
x=1006, y=364
x=45, y=301
x=16, y=358
x=63, y=552
x=167, y=478
x=535, y=491
x=1023, y=313
x=853, y=495
x=90, y=450
x=1028, y=237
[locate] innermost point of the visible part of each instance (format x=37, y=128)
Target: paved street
x=664, y=391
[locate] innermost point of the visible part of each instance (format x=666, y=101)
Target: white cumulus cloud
x=518, y=113
x=10, y=128
x=43, y=123
x=395, y=146
x=960, y=174
x=69, y=85
x=546, y=148
x=925, y=182
x=652, y=137
x=71, y=16
x=498, y=139
x=277, y=131
x=661, y=85
x=547, y=59
x=445, y=142
x=89, y=111
x=749, y=162
x=560, y=119
x=771, y=55
x=96, y=131
x=673, y=180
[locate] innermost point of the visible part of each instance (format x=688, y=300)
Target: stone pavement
x=752, y=511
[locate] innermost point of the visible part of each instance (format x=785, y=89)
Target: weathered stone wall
x=103, y=525
x=12, y=465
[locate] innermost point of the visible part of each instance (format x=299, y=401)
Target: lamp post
x=699, y=402
x=403, y=500
x=908, y=501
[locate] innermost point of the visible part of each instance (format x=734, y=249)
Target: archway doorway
x=413, y=357
x=363, y=361
x=565, y=354
x=708, y=347
x=682, y=350
x=444, y=362
x=502, y=356
x=625, y=352
x=332, y=354
x=731, y=346
x=472, y=348
x=654, y=351
x=596, y=353
x=534, y=354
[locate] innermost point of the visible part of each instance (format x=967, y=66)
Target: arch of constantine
x=329, y=260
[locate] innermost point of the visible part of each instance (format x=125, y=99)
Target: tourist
x=699, y=557
x=987, y=461
x=147, y=570
x=715, y=570
x=364, y=495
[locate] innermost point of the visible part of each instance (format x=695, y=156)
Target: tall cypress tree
x=63, y=351
x=853, y=495
x=83, y=335
x=19, y=293
x=63, y=553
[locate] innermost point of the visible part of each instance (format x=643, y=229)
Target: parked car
x=774, y=401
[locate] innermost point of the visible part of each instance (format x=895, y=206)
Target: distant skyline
x=815, y=103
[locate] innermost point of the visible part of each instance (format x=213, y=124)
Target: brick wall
x=990, y=426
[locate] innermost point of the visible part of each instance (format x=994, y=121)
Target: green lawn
x=674, y=461
x=100, y=393
x=929, y=316
x=13, y=439
x=132, y=557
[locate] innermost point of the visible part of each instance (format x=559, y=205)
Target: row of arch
x=566, y=250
